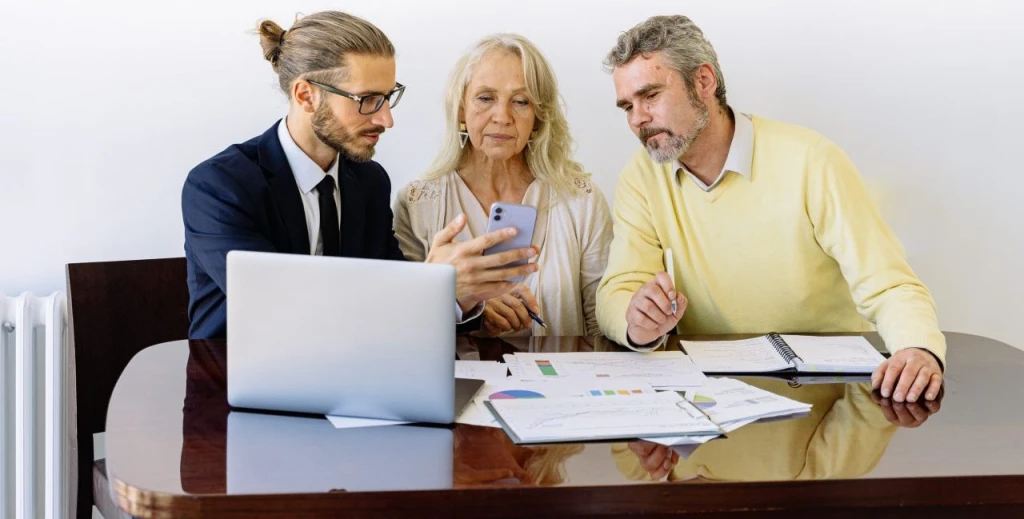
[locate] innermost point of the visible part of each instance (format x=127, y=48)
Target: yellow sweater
x=799, y=247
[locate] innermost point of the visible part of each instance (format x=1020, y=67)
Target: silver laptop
x=343, y=336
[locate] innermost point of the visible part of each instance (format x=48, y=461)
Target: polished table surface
x=176, y=449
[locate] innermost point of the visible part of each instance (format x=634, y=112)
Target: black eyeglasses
x=369, y=103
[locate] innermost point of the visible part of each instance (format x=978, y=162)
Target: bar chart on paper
x=615, y=392
x=665, y=369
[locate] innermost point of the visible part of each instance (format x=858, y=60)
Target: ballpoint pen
x=536, y=317
x=532, y=315
x=671, y=275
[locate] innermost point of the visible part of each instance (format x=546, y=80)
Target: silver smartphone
x=523, y=218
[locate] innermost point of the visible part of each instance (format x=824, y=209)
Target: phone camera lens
x=497, y=218
x=497, y=210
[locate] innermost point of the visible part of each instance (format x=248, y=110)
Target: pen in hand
x=536, y=317
x=670, y=268
x=532, y=315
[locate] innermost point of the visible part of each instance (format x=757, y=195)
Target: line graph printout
x=579, y=419
x=662, y=369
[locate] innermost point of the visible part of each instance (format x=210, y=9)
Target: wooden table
x=176, y=449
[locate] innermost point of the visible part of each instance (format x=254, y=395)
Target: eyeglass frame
x=399, y=89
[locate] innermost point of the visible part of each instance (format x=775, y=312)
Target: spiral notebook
x=785, y=353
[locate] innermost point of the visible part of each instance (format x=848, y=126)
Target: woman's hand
x=507, y=312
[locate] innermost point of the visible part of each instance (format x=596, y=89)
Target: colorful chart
x=546, y=368
x=613, y=392
x=704, y=402
x=509, y=394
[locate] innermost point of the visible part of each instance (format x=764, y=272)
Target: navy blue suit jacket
x=246, y=198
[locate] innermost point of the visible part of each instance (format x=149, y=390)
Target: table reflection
x=485, y=455
x=238, y=452
x=844, y=436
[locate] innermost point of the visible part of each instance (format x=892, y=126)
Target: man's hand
x=477, y=277
x=907, y=375
x=649, y=315
x=507, y=312
x=906, y=414
x=657, y=460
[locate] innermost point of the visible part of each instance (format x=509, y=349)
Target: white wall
x=107, y=104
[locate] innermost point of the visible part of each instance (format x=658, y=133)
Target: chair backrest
x=115, y=310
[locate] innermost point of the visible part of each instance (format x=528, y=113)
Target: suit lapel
x=284, y=190
x=353, y=210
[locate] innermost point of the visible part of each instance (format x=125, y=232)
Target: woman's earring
x=463, y=135
x=529, y=143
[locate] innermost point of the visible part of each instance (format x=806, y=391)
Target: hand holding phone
x=523, y=218
x=478, y=277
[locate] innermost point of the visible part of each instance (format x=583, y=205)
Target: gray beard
x=677, y=145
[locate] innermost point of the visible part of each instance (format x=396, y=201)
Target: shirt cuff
x=472, y=314
x=647, y=347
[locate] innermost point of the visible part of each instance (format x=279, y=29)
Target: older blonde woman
x=507, y=140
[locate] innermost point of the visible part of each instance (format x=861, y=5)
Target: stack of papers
x=564, y=397
x=573, y=419
x=477, y=413
x=732, y=404
x=662, y=369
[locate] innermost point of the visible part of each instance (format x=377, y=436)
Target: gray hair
x=684, y=44
x=549, y=157
x=317, y=45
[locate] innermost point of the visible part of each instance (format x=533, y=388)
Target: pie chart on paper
x=510, y=394
x=704, y=402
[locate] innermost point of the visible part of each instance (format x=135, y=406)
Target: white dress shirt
x=739, y=160
x=307, y=175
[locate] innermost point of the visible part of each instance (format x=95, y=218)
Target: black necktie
x=329, y=231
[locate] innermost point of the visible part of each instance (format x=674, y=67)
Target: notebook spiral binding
x=780, y=346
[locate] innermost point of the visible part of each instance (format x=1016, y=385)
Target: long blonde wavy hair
x=549, y=155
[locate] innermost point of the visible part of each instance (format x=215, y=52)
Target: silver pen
x=670, y=268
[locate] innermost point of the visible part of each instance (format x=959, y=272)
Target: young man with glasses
x=308, y=184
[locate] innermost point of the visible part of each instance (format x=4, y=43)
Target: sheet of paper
x=851, y=351
x=515, y=369
x=696, y=440
x=476, y=413
x=727, y=400
x=541, y=420
x=685, y=451
x=659, y=369
x=350, y=422
x=670, y=441
x=742, y=356
x=486, y=370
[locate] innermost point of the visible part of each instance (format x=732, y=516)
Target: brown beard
x=333, y=134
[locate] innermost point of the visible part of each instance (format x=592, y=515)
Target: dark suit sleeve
x=391, y=249
x=472, y=325
x=219, y=217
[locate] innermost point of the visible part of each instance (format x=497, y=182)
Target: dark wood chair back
x=116, y=309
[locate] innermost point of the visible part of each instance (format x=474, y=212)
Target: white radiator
x=34, y=439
